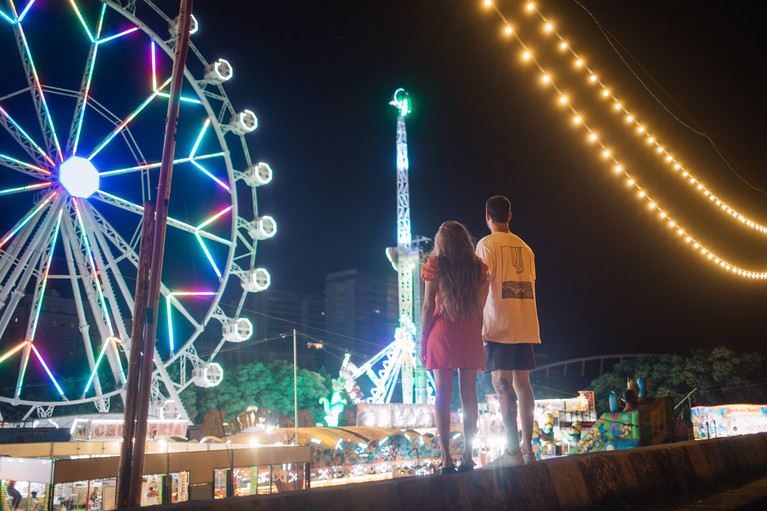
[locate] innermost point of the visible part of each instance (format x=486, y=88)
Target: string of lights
x=616, y=165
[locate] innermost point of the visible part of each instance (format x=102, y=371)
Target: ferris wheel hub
x=79, y=177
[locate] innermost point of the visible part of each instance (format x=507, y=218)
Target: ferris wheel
x=82, y=119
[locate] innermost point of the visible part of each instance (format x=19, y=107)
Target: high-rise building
x=361, y=312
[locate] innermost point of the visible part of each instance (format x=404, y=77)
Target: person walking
x=510, y=328
x=451, y=332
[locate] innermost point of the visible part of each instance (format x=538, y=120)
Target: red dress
x=453, y=345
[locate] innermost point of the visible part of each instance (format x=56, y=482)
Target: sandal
x=448, y=470
x=465, y=468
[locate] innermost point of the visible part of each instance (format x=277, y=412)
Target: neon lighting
x=39, y=87
x=214, y=178
x=82, y=21
x=156, y=165
x=124, y=32
x=199, y=137
x=14, y=350
x=154, y=81
x=202, y=244
x=94, y=273
x=214, y=217
x=96, y=365
x=25, y=164
x=45, y=277
x=29, y=139
x=168, y=303
x=123, y=124
x=658, y=148
x=26, y=9
x=45, y=366
x=79, y=177
x=27, y=219
x=10, y=20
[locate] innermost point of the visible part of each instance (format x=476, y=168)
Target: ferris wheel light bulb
x=79, y=177
x=262, y=228
x=173, y=28
x=256, y=280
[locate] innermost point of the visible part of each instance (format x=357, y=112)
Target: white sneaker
x=506, y=460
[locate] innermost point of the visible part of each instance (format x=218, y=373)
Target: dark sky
x=611, y=277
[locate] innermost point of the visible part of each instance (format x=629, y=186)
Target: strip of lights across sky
x=617, y=167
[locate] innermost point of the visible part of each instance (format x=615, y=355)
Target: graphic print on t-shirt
x=512, y=266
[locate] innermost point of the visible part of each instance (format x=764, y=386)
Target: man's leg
x=467, y=384
x=503, y=380
x=443, y=378
x=526, y=399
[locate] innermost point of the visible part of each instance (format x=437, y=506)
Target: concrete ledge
x=641, y=478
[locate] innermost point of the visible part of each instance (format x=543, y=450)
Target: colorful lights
x=26, y=219
x=26, y=188
x=655, y=145
x=170, y=297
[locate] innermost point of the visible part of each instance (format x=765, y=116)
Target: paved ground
x=751, y=497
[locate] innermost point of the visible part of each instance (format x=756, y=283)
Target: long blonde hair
x=460, y=272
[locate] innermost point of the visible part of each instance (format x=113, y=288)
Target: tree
x=267, y=384
x=720, y=375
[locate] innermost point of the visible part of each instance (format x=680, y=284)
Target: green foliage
x=267, y=384
x=720, y=375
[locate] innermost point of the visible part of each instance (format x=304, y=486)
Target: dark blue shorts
x=515, y=357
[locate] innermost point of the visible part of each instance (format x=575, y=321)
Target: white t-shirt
x=510, y=314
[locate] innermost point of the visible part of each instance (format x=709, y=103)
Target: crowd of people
x=479, y=314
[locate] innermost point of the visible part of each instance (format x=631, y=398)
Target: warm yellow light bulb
x=696, y=245
x=508, y=29
x=592, y=137
x=579, y=62
x=688, y=239
x=700, y=187
x=685, y=174
x=605, y=153
x=660, y=149
x=605, y=92
x=563, y=45
x=650, y=140
x=488, y=3
x=630, y=182
x=669, y=158
x=548, y=27
x=641, y=194
x=618, y=168
x=629, y=118
x=677, y=166
x=662, y=214
x=593, y=78
x=652, y=205
x=530, y=6
x=576, y=119
x=640, y=129
x=563, y=99
x=671, y=223
x=526, y=55
x=680, y=232
x=545, y=78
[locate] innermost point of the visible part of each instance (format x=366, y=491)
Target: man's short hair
x=499, y=209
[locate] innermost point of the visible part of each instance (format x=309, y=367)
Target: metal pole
x=134, y=368
x=295, y=389
x=158, y=249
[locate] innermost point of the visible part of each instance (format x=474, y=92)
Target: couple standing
x=475, y=295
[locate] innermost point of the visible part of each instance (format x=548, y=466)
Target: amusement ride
x=82, y=118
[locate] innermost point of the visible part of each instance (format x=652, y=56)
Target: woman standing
x=451, y=331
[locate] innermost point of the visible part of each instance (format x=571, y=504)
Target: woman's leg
x=444, y=394
x=467, y=381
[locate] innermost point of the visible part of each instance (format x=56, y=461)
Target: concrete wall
x=640, y=478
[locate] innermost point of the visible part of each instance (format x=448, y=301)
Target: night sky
x=611, y=277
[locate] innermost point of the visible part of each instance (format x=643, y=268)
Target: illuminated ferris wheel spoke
x=172, y=222
x=6, y=17
x=9, y=191
x=26, y=168
x=46, y=120
x=170, y=300
x=74, y=281
x=23, y=139
x=154, y=79
x=47, y=370
x=125, y=122
x=13, y=350
x=149, y=166
x=26, y=219
x=26, y=10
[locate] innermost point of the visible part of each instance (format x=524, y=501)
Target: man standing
x=510, y=328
